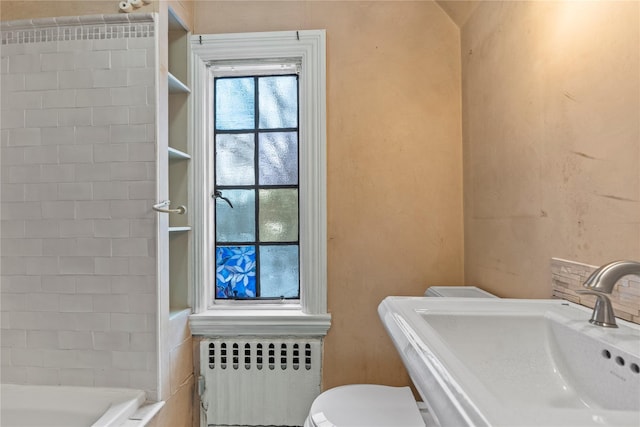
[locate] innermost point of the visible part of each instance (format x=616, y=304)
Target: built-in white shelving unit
x=174, y=230
x=179, y=163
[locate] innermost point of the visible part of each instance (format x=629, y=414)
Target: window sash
x=249, y=71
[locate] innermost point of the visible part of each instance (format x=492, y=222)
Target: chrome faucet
x=601, y=283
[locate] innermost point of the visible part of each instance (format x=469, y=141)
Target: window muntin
x=256, y=155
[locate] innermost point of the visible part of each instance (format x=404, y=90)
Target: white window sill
x=260, y=322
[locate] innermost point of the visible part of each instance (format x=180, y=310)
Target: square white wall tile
x=44, y=376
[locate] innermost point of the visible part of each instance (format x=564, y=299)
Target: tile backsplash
x=78, y=179
x=568, y=276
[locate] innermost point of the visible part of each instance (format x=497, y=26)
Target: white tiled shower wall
x=78, y=175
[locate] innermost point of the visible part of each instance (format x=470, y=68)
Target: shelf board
x=179, y=229
x=176, y=154
x=176, y=86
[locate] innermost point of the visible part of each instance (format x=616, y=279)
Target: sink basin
x=506, y=362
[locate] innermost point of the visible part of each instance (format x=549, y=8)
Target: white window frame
x=308, y=316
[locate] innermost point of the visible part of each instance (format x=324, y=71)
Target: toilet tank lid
x=458, y=292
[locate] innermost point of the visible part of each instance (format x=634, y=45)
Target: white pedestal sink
x=504, y=362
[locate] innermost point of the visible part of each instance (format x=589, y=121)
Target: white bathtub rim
x=118, y=413
x=121, y=402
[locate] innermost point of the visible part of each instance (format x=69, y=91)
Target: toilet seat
x=365, y=405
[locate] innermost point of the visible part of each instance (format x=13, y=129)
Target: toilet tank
x=458, y=292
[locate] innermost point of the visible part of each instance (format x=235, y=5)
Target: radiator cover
x=260, y=381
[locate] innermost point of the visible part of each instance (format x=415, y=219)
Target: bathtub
x=58, y=406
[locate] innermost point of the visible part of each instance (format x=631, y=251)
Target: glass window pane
x=235, y=272
x=278, y=158
x=235, y=159
x=279, y=271
x=278, y=216
x=278, y=102
x=235, y=103
x=236, y=224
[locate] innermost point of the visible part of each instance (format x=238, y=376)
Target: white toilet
x=370, y=405
x=365, y=405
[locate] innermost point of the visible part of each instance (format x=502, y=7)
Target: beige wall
x=551, y=113
x=394, y=160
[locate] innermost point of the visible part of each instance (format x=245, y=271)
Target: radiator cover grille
x=260, y=381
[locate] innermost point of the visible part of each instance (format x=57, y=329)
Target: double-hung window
x=259, y=183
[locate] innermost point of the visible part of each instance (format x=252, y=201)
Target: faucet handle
x=603, y=314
